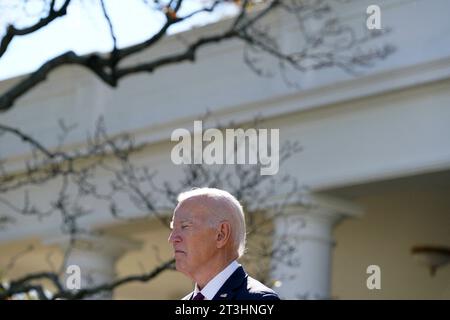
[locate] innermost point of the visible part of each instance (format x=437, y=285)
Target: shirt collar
x=213, y=286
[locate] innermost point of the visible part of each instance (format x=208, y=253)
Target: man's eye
x=184, y=227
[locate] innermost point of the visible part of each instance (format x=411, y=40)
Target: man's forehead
x=193, y=208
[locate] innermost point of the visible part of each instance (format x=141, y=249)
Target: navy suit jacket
x=240, y=286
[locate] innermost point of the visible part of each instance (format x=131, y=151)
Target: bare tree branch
x=243, y=27
x=22, y=285
x=53, y=14
x=76, y=171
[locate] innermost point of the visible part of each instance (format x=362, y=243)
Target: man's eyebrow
x=181, y=221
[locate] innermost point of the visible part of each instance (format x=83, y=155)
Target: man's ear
x=223, y=234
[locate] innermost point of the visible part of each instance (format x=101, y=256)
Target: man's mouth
x=179, y=251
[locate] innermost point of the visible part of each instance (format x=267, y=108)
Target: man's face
x=192, y=238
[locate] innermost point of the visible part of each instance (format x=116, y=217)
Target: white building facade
x=375, y=158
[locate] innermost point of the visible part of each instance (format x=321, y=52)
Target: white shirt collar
x=213, y=286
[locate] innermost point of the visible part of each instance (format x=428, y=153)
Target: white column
x=303, y=243
x=96, y=257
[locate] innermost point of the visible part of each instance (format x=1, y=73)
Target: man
x=208, y=236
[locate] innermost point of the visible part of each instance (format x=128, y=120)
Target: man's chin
x=184, y=272
x=179, y=265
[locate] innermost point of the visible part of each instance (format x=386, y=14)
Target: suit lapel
x=229, y=288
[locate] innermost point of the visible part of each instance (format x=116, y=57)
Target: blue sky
x=84, y=30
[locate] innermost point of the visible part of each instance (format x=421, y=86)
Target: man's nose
x=173, y=237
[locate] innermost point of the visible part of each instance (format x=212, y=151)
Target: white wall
x=391, y=120
x=396, y=219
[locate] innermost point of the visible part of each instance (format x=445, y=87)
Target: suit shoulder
x=252, y=289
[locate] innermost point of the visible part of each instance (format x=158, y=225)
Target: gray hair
x=233, y=210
